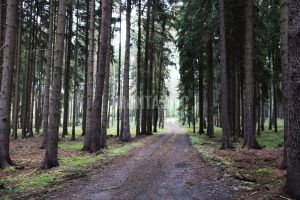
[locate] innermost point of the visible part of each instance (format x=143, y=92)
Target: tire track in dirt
x=166, y=167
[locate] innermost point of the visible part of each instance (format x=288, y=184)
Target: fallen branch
x=284, y=197
x=244, y=178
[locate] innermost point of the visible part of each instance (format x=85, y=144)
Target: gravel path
x=166, y=167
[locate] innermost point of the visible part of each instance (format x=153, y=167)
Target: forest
x=150, y=99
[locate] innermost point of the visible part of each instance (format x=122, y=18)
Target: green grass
x=10, y=169
x=264, y=171
x=118, y=149
x=80, y=161
x=77, y=146
x=36, y=181
x=269, y=139
x=206, y=146
x=5, y=198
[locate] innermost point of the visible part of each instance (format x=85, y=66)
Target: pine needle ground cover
x=258, y=172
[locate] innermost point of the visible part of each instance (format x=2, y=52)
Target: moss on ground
x=10, y=169
x=35, y=181
x=269, y=139
x=206, y=146
x=77, y=145
x=264, y=171
x=5, y=198
x=80, y=161
x=121, y=149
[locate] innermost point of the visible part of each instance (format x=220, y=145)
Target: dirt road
x=166, y=167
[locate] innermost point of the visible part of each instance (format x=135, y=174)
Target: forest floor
x=26, y=180
x=256, y=171
x=163, y=166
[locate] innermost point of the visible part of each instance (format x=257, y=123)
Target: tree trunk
x=90, y=75
x=119, y=73
x=274, y=97
x=262, y=123
x=293, y=101
x=284, y=69
x=86, y=66
x=75, y=87
x=201, y=94
x=2, y=34
x=105, y=122
x=138, y=66
x=237, y=127
x=105, y=27
x=210, y=87
x=224, y=82
x=249, y=132
x=6, y=82
x=67, y=69
x=270, y=112
x=48, y=77
x=258, y=112
x=33, y=63
x=27, y=80
x=126, y=137
x=150, y=73
x=17, y=80
x=145, y=76
x=51, y=156
x=193, y=112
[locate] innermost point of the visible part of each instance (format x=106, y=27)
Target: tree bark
x=274, y=94
x=138, y=66
x=75, y=87
x=270, y=112
x=145, y=76
x=126, y=137
x=105, y=27
x=67, y=69
x=284, y=69
x=48, y=77
x=293, y=100
x=210, y=88
x=105, y=122
x=201, y=94
x=86, y=66
x=237, y=127
x=6, y=82
x=90, y=75
x=2, y=34
x=119, y=73
x=27, y=80
x=51, y=156
x=224, y=82
x=150, y=72
x=17, y=76
x=249, y=132
x=262, y=123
